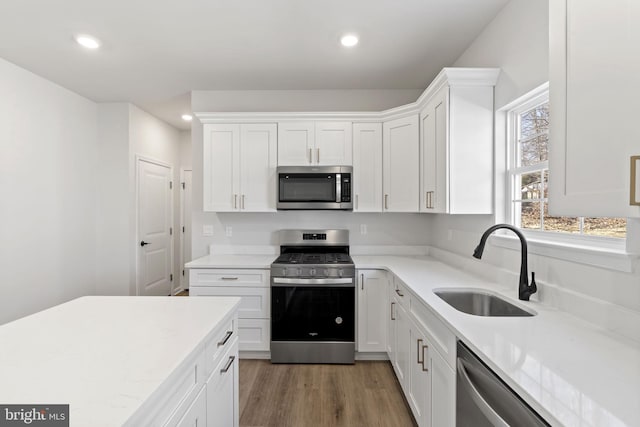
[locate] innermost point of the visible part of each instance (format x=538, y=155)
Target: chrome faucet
x=525, y=290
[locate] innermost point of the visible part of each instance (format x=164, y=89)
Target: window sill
x=611, y=258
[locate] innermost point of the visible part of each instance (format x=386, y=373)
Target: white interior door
x=185, y=235
x=154, y=229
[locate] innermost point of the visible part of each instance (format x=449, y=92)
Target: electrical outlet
x=207, y=230
x=363, y=229
x=229, y=231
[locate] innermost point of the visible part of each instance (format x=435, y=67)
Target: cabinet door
x=403, y=345
x=391, y=325
x=296, y=141
x=419, y=379
x=221, y=167
x=433, y=159
x=223, y=391
x=594, y=103
x=333, y=144
x=443, y=391
x=400, y=165
x=372, y=300
x=367, y=167
x=196, y=415
x=258, y=161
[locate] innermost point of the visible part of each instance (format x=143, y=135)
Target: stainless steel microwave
x=314, y=187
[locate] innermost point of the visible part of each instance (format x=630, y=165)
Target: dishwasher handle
x=482, y=404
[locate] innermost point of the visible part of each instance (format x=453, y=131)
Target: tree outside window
x=529, y=178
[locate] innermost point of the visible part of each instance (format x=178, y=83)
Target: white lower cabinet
x=222, y=386
x=252, y=286
x=196, y=415
x=426, y=376
x=373, y=299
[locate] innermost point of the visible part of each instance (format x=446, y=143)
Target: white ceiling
x=156, y=51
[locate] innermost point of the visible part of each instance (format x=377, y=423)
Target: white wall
x=47, y=186
x=517, y=42
x=113, y=241
x=261, y=228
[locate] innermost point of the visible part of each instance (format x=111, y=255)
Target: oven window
x=307, y=188
x=312, y=314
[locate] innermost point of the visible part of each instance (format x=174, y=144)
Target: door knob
x=143, y=243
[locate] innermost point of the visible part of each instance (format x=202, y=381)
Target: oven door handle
x=342, y=282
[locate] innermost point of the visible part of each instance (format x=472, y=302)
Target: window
x=528, y=175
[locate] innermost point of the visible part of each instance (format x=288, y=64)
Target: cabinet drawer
x=218, y=343
x=254, y=334
x=437, y=332
x=254, y=302
x=401, y=293
x=181, y=390
x=223, y=277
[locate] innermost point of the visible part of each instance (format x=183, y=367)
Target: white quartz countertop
x=104, y=356
x=570, y=371
x=232, y=261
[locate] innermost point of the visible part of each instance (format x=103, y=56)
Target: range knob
x=312, y=272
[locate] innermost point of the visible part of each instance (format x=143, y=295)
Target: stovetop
x=314, y=258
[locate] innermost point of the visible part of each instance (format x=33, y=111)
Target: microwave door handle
x=338, y=187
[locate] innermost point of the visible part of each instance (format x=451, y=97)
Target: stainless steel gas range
x=313, y=298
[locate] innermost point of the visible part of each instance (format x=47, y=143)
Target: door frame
x=142, y=158
x=183, y=279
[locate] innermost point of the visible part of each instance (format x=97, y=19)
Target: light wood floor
x=364, y=394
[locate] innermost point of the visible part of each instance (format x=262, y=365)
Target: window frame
x=596, y=251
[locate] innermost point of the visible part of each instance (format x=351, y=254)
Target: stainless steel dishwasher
x=484, y=400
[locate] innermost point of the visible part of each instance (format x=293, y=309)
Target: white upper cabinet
x=456, y=144
x=258, y=159
x=333, y=143
x=296, y=142
x=239, y=167
x=367, y=167
x=314, y=143
x=594, y=103
x=400, y=164
x=221, y=168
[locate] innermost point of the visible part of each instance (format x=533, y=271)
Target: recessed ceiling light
x=187, y=117
x=87, y=41
x=349, y=40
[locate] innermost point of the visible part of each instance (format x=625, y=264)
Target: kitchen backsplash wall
x=260, y=229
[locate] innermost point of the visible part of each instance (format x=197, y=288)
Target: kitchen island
x=130, y=361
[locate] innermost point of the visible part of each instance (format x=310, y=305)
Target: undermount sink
x=479, y=302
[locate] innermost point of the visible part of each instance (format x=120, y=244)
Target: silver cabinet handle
x=392, y=304
x=317, y=155
x=481, y=403
x=419, y=343
x=399, y=293
x=362, y=281
x=235, y=201
x=310, y=155
x=229, y=278
x=386, y=201
x=242, y=202
x=633, y=200
x=424, y=347
x=225, y=339
x=228, y=365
